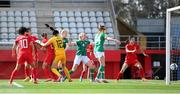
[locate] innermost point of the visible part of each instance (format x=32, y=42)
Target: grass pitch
x=86, y=87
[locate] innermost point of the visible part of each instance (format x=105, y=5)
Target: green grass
x=86, y=87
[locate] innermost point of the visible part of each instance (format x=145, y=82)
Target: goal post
x=168, y=42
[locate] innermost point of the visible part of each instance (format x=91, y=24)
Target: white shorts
x=99, y=54
x=78, y=59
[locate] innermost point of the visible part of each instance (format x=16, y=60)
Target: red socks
x=27, y=72
x=142, y=72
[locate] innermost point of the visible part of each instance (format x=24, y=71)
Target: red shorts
x=49, y=59
x=131, y=60
x=25, y=57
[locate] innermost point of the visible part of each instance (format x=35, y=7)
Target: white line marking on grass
x=18, y=85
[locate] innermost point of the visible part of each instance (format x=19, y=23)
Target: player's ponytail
x=102, y=28
x=55, y=32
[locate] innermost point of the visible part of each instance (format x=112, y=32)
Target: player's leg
x=60, y=69
x=27, y=69
x=46, y=69
x=139, y=66
x=124, y=67
x=54, y=66
x=66, y=71
x=76, y=63
x=14, y=73
x=88, y=63
x=83, y=72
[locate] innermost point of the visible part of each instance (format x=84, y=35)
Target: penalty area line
x=17, y=85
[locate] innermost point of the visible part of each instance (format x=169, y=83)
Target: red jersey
x=90, y=51
x=24, y=44
x=49, y=48
x=131, y=55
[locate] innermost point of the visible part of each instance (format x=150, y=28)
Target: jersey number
x=59, y=43
x=24, y=43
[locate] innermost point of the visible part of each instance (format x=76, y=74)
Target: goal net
x=172, y=44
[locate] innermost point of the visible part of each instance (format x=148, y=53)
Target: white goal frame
x=168, y=41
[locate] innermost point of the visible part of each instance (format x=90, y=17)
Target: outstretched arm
x=14, y=49
x=72, y=44
x=112, y=39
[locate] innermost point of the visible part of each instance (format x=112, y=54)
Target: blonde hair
x=81, y=34
x=63, y=31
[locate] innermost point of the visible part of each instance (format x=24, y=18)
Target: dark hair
x=22, y=30
x=44, y=35
x=55, y=32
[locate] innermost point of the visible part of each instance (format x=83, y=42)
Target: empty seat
x=101, y=23
x=4, y=30
x=77, y=13
x=74, y=35
x=71, y=19
x=34, y=30
x=10, y=13
x=108, y=24
x=80, y=30
x=92, y=19
x=106, y=13
x=12, y=30
x=87, y=30
x=63, y=13
x=3, y=19
x=11, y=24
x=17, y=13
x=25, y=13
x=3, y=24
x=18, y=24
x=78, y=19
x=100, y=19
x=73, y=30
x=4, y=40
x=79, y=24
x=12, y=40
x=25, y=19
x=32, y=19
x=70, y=13
x=26, y=24
x=84, y=13
x=57, y=25
x=18, y=19
x=4, y=35
x=95, y=30
x=90, y=36
x=56, y=13
x=32, y=13
x=57, y=19
x=3, y=13
x=109, y=30
x=98, y=13
x=12, y=35
x=33, y=24
x=72, y=24
x=106, y=42
x=107, y=19
x=91, y=13
x=87, y=24
x=65, y=25
x=10, y=19
x=94, y=24
x=85, y=19
x=64, y=19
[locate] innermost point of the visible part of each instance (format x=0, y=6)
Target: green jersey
x=81, y=47
x=99, y=42
x=65, y=40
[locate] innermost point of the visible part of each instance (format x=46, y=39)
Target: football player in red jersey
x=27, y=68
x=25, y=53
x=131, y=58
x=49, y=57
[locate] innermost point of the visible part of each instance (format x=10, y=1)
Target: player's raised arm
x=72, y=44
x=112, y=39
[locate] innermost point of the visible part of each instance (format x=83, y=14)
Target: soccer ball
x=173, y=66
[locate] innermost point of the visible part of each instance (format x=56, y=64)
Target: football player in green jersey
x=100, y=38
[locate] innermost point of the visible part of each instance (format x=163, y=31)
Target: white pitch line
x=18, y=85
